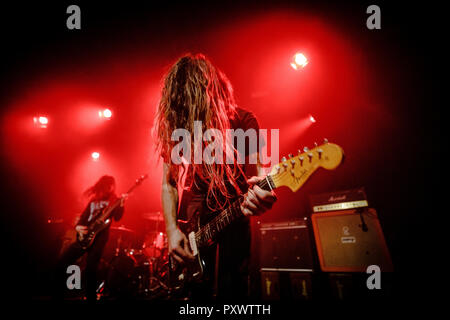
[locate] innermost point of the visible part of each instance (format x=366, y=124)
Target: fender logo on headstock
x=302, y=173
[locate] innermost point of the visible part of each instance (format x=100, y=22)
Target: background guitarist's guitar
x=103, y=219
x=292, y=173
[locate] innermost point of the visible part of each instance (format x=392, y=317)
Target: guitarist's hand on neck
x=256, y=200
x=123, y=198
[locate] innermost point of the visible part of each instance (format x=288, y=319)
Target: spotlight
x=106, y=113
x=95, y=156
x=40, y=121
x=312, y=119
x=299, y=61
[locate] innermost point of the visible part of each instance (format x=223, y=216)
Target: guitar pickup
x=193, y=243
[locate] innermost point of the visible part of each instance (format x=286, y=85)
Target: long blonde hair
x=194, y=90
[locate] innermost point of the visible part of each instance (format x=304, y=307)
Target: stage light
x=95, y=156
x=40, y=121
x=43, y=120
x=299, y=61
x=312, y=119
x=106, y=113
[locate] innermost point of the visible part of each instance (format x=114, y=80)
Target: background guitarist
x=195, y=90
x=101, y=195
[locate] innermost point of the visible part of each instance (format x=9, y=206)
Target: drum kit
x=134, y=264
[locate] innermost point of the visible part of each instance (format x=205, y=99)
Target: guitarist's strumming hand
x=256, y=200
x=179, y=246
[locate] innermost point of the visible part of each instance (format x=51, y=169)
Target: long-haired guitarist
x=101, y=195
x=195, y=90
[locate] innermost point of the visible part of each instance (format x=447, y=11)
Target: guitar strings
x=220, y=217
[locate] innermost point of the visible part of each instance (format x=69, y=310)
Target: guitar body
x=94, y=228
x=201, y=268
x=190, y=270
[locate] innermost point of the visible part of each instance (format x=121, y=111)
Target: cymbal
x=154, y=216
x=122, y=228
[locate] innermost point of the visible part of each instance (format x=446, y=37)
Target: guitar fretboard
x=210, y=230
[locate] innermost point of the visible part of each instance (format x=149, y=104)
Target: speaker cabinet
x=350, y=241
x=277, y=285
x=285, y=246
x=270, y=285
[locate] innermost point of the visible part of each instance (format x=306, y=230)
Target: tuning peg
x=325, y=140
x=284, y=162
x=315, y=144
x=301, y=158
x=320, y=151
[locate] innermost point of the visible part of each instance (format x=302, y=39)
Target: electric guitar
x=292, y=172
x=103, y=219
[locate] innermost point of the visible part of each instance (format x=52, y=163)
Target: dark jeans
x=234, y=258
x=71, y=255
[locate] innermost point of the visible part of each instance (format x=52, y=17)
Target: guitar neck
x=107, y=213
x=210, y=230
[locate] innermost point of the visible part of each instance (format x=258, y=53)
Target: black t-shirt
x=94, y=208
x=195, y=189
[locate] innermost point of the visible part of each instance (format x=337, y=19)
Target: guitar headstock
x=293, y=171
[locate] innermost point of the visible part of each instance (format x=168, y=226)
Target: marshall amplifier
x=339, y=200
x=350, y=241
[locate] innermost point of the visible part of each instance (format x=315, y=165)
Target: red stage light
x=43, y=120
x=40, y=121
x=299, y=61
x=95, y=156
x=107, y=114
